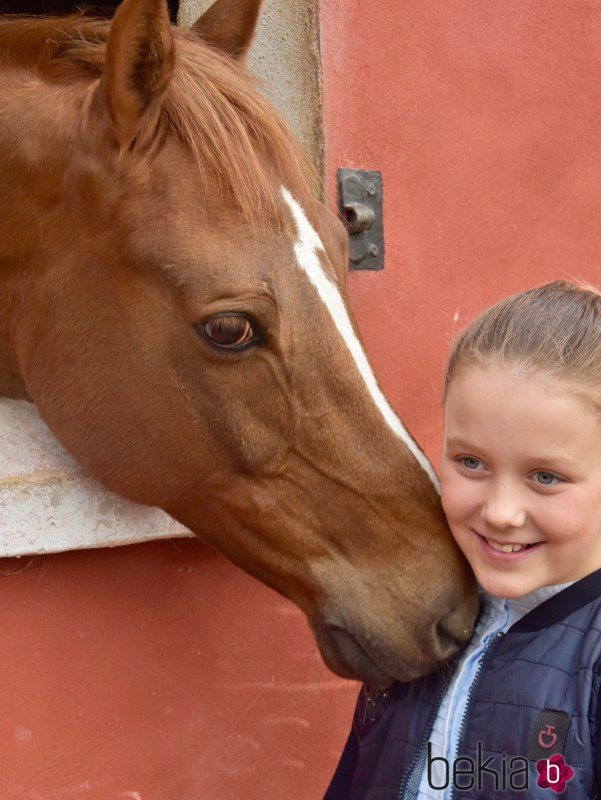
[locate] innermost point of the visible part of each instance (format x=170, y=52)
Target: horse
x=173, y=301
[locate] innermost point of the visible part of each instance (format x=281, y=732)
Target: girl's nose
x=502, y=508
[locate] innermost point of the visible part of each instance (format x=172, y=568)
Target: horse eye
x=228, y=331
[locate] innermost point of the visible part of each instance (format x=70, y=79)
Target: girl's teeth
x=506, y=548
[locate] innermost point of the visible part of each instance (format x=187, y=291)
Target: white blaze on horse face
x=306, y=250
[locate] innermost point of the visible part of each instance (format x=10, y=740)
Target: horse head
x=175, y=306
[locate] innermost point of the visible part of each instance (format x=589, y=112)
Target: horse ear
x=138, y=63
x=230, y=25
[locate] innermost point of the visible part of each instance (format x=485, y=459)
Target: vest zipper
x=421, y=752
x=422, y=745
x=483, y=661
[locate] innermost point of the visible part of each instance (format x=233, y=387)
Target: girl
x=516, y=714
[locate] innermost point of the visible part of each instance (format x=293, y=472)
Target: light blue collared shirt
x=497, y=616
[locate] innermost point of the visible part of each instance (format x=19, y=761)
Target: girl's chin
x=507, y=594
x=502, y=586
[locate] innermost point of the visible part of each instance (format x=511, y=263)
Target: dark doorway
x=101, y=8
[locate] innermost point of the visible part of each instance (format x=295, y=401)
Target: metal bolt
x=374, y=249
x=371, y=190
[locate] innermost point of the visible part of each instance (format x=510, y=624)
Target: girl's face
x=521, y=478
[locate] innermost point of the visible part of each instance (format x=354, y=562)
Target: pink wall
x=159, y=672
x=484, y=119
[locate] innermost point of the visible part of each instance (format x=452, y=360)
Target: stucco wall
x=47, y=502
x=484, y=119
x=158, y=672
x=285, y=57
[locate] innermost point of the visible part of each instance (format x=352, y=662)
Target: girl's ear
x=138, y=64
x=229, y=25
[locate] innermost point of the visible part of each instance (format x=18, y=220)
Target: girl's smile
x=507, y=551
x=521, y=477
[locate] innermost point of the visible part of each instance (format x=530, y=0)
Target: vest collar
x=560, y=605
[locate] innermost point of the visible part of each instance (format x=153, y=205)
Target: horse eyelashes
x=228, y=331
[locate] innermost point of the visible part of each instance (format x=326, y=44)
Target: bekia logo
x=504, y=773
x=469, y=773
x=553, y=773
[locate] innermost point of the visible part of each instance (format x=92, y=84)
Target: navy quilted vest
x=548, y=661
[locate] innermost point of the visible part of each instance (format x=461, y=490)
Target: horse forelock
x=211, y=105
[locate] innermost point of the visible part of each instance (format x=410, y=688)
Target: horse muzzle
x=345, y=656
x=363, y=656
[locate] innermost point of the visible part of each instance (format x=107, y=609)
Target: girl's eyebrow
x=455, y=441
x=561, y=462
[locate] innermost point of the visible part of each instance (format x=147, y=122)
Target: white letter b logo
x=553, y=773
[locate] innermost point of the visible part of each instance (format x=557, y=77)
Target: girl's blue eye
x=546, y=478
x=470, y=463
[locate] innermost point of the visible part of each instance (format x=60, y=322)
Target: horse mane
x=211, y=103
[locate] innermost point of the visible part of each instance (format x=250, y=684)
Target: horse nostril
x=452, y=632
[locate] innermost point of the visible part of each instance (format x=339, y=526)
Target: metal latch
x=360, y=202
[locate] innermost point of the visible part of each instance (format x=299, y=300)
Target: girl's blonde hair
x=554, y=329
